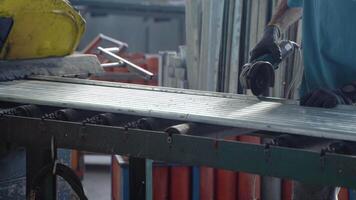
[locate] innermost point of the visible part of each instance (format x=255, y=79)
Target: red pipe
x=116, y=178
x=180, y=183
x=207, y=177
x=344, y=194
x=160, y=183
x=287, y=189
x=249, y=186
x=225, y=185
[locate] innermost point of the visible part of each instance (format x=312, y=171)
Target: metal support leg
x=36, y=159
x=140, y=179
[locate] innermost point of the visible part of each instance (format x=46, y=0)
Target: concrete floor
x=97, y=182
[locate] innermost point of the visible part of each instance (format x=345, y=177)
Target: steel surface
x=225, y=110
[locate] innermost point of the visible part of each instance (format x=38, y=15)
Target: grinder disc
x=260, y=77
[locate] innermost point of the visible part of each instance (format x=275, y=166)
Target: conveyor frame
x=296, y=164
x=315, y=167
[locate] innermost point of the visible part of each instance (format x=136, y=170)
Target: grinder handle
x=287, y=48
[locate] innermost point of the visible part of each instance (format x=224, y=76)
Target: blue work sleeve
x=295, y=3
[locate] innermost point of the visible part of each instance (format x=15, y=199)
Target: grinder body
x=259, y=75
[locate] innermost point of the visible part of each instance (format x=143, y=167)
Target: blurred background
x=146, y=25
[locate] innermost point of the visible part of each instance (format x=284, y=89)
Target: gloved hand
x=268, y=44
x=323, y=98
x=343, y=147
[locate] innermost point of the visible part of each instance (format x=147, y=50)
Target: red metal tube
x=287, y=189
x=207, y=189
x=249, y=186
x=180, y=183
x=160, y=183
x=344, y=194
x=226, y=185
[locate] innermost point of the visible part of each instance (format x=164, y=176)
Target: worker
x=329, y=60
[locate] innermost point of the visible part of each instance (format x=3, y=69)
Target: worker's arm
x=285, y=16
x=281, y=20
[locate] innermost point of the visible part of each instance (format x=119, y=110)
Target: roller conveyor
x=214, y=109
x=175, y=126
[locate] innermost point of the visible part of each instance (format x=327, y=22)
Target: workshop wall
x=142, y=34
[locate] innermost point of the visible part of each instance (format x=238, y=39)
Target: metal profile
x=215, y=110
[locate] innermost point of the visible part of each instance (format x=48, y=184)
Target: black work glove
x=330, y=98
x=268, y=44
x=343, y=147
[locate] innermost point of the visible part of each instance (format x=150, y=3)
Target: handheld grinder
x=258, y=75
